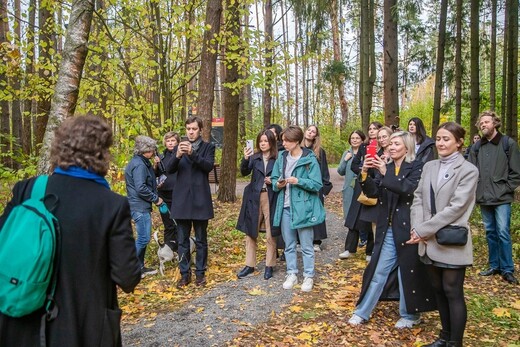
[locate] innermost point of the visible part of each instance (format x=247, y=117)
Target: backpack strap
x=39, y=187
x=505, y=144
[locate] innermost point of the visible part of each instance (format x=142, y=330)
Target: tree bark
x=69, y=76
x=492, y=56
x=5, y=143
x=231, y=105
x=458, y=64
x=391, y=57
x=45, y=39
x=512, y=70
x=208, y=66
x=474, y=72
x=336, y=44
x=29, y=70
x=268, y=59
x=16, y=117
x=439, y=67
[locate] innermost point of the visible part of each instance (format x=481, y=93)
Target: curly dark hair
x=82, y=141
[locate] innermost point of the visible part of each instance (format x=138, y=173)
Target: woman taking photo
x=354, y=220
x=453, y=182
x=424, y=145
x=312, y=141
x=259, y=202
x=393, y=260
x=350, y=184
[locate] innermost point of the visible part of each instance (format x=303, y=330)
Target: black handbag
x=450, y=235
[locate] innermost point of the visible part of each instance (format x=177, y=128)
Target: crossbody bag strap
x=432, y=201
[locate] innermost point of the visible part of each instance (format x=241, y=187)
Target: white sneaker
x=356, y=320
x=290, y=281
x=307, y=284
x=368, y=257
x=406, y=323
x=344, y=255
x=317, y=248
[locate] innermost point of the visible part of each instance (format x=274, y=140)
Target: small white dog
x=165, y=253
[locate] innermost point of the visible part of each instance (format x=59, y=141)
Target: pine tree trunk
x=492, y=56
x=227, y=185
x=29, y=70
x=474, y=70
x=208, y=66
x=69, y=76
x=268, y=59
x=458, y=64
x=5, y=145
x=512, y=70
x=391, y=57
x=439, y=67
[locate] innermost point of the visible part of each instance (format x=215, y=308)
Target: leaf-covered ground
x=319, y=318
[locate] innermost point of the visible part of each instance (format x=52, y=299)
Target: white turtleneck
x=446, y=163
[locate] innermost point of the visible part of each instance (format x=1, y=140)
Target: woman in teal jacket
x=298, y=208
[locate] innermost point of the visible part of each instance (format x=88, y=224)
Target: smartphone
x=249, y=144
x=184, y=138
x=372, y=148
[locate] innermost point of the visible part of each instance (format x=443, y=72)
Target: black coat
x=362, y=214
x=426, y=151
x=98, y=252
x=191, y=197
x=165, y=190
x=249, y=212
x=320, y=230
x=395, y=196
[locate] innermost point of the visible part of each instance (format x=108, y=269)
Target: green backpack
x=28, y=248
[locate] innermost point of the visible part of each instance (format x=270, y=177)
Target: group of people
x=414, y=211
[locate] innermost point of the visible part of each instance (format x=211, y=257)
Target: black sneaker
x=146, y=271
x=246, y=271
x=362, y=244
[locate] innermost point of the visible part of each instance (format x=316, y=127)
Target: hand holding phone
x=184, y=138
x=372, y=148
x=249, y=144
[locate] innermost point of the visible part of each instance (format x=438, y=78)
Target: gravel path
x=217, y=317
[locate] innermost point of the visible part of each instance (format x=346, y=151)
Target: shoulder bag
x=450, y=235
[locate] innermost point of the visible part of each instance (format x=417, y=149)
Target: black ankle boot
x=454, y=344
x=442, y=341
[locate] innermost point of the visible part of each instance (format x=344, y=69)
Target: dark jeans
x=201, y=243
x=170, y=228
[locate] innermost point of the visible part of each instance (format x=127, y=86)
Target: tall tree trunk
x=391, y=57
x=208, y=66
x=492, y=56
x=474, y=74
x=439, y=67
x=285, y=33
x=29, y=70
x=364, y=67
x=187, y=54
x=504, y=69
x=458, y=64
x=297, y=32
x=69, y=76
x=17, y=119
x=45, y=38
x=5, y=143
x=336, y=43
x=268, y=58
x=512, y=70
x=372, y=55
x=231, y=105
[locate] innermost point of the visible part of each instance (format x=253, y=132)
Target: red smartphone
x=372, y=148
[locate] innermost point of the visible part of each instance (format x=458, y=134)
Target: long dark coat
x=191, y=195
x=395, y=196
x=98, y=252
x=426, y=151
x=320, y=230
x=361, y=216
x=249, y=212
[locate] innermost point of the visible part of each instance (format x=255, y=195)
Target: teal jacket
x=306, y=207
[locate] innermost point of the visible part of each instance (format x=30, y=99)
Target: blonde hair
x=408, y=142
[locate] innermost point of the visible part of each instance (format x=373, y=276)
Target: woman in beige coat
x=453, y=181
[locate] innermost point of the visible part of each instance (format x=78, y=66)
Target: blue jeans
x=386, y=263
x=497, y=220
x=143, y=226
x=306, y=236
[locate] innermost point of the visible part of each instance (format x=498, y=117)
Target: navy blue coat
x=191, y=195
x=249, y=212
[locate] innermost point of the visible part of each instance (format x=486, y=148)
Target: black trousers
x=201, y=245
x=352, y=240
x=170, y=228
